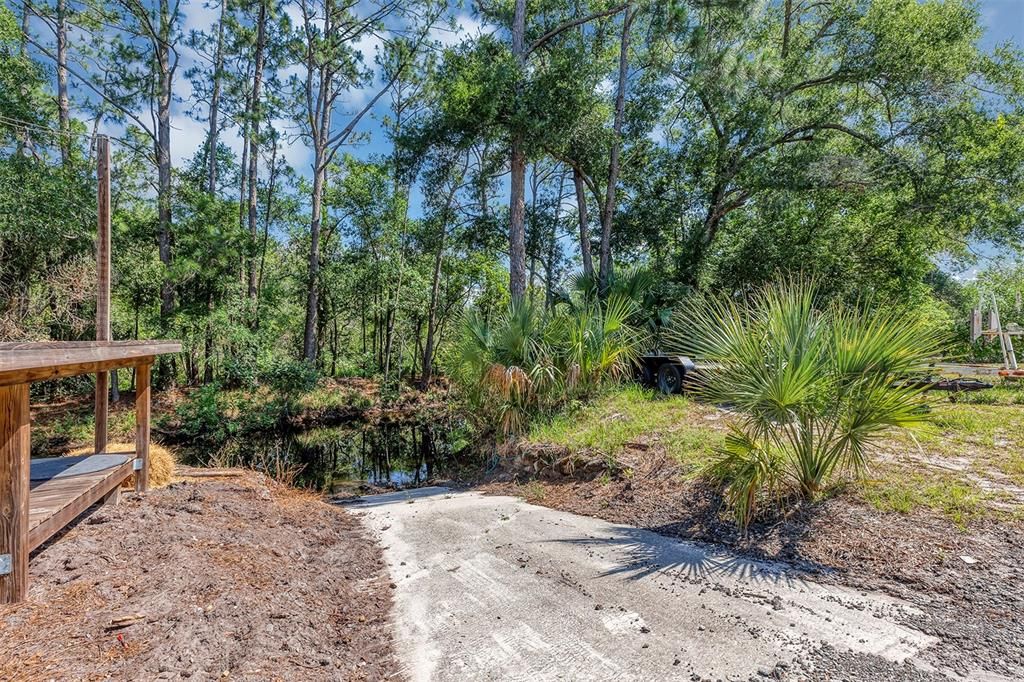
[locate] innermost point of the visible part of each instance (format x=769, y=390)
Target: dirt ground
x=968, y=582
x=210, y=578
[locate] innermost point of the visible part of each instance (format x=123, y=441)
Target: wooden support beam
x=102, y=282
x=15, y=447
x=142, y=426
x=27, y=365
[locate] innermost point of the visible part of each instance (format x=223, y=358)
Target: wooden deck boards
x=56, y=502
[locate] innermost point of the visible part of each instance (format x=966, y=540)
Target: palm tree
x=812, y=389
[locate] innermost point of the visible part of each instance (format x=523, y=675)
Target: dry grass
x=161, y=461
x=20, y=626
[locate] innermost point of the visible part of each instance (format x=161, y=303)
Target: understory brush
x=212, y=414
x=528, y=362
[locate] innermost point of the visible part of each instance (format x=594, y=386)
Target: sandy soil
x=492, y=588
x=209, y=578
x=967, y=583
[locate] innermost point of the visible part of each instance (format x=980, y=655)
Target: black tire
x=670, y=379
x=645, y=375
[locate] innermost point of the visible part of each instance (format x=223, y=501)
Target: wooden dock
x=39, y=497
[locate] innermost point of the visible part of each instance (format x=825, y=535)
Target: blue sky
x=1003, y=20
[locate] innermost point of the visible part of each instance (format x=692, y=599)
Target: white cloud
x=466, y=27
x=201, y=17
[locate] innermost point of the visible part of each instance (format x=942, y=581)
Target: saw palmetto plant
x=526, y=362
x=811, y=389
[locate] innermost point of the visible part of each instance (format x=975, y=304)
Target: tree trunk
x=581, y=206
x=786, y=24
x=517, y=200
x=63, y=102
x=309, y=346
x=266, y=234
x=613, y=164
x=257, y=83
x=549, y=261
x=517, y=228
x=243, y=176
x=211, y=138
x=163, y=160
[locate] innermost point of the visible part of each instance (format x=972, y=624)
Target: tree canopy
x=367, y=172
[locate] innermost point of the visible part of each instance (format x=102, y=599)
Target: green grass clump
x=630, y=414
x=905, y=492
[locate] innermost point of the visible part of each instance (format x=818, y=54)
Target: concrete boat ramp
x=493, y=588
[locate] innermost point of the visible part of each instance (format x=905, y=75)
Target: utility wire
x=29, y=125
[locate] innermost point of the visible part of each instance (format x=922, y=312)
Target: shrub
x=239, y=372
x=813, y=390
x=290, y=377
x=527, y=362
x=202, y=415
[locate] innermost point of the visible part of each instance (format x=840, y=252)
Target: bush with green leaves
x=527, y=362
x=239, y=371
x=202, y=416
x=290, y=377
x=812, y=390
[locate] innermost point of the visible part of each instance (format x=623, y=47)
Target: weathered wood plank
x=103, y=239
x=60, y=345
x=142, y=410
x=101, y=412
x=15, y=446
x=102, y=284
x=25, y=365
x=59, y=501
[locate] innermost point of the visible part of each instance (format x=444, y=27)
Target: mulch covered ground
x=209, y=578
x=968, y=582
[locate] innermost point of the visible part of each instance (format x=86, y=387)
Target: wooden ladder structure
x=995, y=330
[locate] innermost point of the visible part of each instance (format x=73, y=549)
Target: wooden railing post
x=142, y=425
x=15, y=447
x=102, y=281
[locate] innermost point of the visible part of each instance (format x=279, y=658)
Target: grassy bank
x=968, y=464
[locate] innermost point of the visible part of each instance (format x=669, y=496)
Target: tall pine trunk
x=214, y=131
x=257, y=83
x=162, y=44
x=309, y=346
x=517, y=200
x=63, y=101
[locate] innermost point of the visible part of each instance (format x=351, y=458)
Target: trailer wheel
x=670, y=379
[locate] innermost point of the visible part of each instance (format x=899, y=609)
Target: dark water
x=338, y=458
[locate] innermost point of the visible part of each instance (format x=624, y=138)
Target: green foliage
x=290, y=377
x=813, y=390
x=874, y=140
x=525, y=363
x=202, y=417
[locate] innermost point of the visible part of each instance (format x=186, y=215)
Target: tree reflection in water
x=387, y=454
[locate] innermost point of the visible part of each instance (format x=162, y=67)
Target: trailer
x=670, y=374
x=667, y=373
